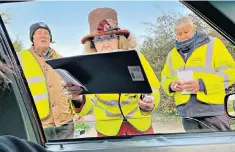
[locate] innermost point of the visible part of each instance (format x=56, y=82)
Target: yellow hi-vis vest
x=106, y=107
x=211, y=62
x=36, y=81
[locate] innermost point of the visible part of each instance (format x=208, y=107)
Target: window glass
x=177, y=49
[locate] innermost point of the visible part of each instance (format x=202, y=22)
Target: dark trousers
x=63, y=132
x=206, y=124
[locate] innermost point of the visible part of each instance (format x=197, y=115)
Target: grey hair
x=184, y=20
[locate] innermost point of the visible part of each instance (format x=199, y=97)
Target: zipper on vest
x=119, y=105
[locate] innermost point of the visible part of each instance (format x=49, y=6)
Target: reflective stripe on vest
x=206, y=69
x=40, y=97
x=35, y=79
x=115, y=103
x=36, y=82
x=129, y=115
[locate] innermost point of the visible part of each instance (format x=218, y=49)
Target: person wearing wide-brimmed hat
x=125, y=114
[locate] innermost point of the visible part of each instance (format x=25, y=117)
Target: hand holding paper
x=68, y=78
x=192, y=86
x=72, y=86
x=189, y=84
x=73, y=91
x=177, y=86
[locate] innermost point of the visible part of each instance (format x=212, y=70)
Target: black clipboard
x=106, y=72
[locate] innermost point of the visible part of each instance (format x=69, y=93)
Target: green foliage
x=232, y=124
x=6, y=17
x=18, y=45
x=81, y=125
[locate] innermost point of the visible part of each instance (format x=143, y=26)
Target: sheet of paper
x=67, y=77
x=183, y=76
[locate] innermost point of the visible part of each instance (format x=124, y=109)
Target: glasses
x=104, y=37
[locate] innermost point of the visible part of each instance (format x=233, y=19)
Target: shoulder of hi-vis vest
x=36, y=81
x=211, y=62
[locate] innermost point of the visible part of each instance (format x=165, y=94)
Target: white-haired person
x=213, y=70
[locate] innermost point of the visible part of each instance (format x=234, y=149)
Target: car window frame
x=21, y=90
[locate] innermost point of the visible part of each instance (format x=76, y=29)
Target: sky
x=68, y=20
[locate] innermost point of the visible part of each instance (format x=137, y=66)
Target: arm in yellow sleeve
x=153, y=80
x=85, y=108
x=167, y=77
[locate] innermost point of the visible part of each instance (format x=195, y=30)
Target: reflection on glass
x=231, y=105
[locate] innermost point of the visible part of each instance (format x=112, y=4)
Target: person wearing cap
x=54, y=108
x=41, y=44
x=116, y=115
